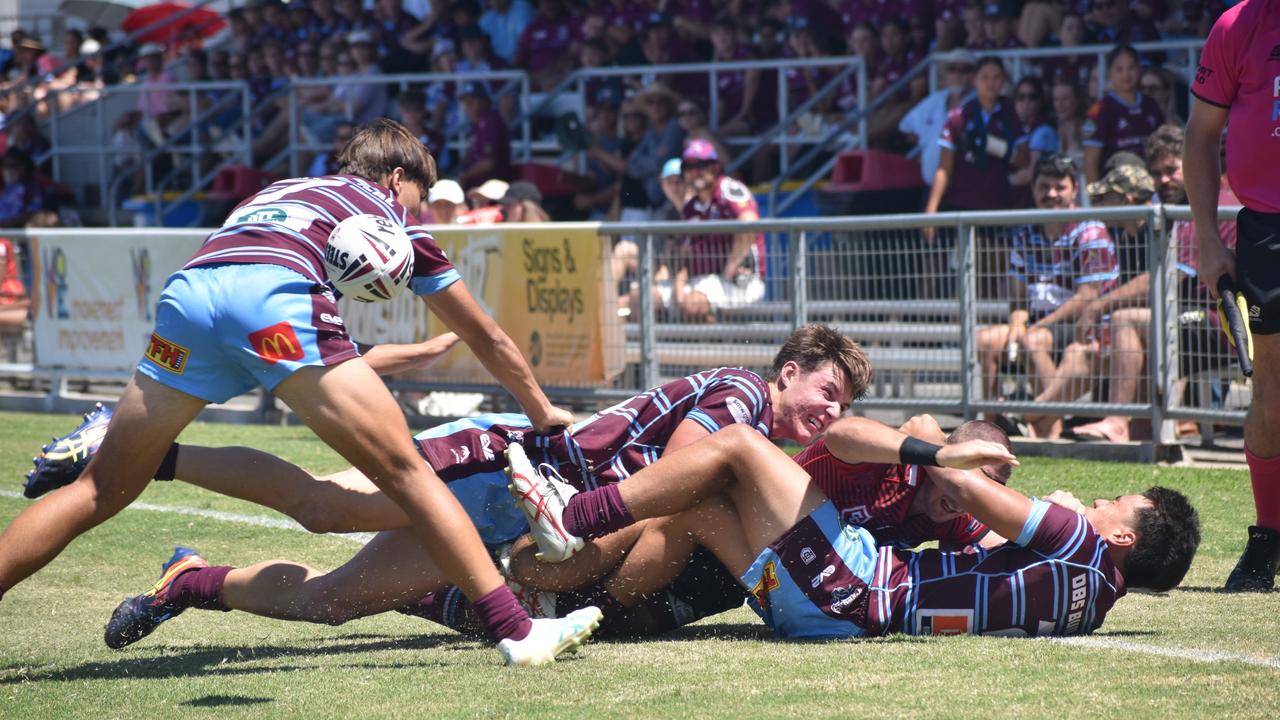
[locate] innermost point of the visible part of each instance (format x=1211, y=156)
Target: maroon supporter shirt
x=544, y=42
x=288, y=224
x=490, y=139
x=1057, y=578
x=1114, y=125
x=878, y=497
x=979, y=180
x=706, y=254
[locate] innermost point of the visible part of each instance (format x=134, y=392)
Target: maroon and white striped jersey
x=288, y=224
x=877, y=498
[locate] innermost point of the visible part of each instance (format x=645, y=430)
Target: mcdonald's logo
x=767, y=583
x=276, y=342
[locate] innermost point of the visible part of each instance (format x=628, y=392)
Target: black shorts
x=1258, y=267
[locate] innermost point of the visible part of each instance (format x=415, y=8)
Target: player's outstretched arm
x=862, y=440
x=497, y=352
x=997, y=506
x=392, y=358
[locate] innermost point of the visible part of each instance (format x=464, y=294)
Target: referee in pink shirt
x=1238, y=81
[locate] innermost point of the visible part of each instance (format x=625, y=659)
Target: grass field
x=1193, y=653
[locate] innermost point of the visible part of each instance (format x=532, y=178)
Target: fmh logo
x=276, y=342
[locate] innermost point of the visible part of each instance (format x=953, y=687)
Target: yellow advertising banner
x=549, y=287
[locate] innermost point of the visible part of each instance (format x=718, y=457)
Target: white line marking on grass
x=1194, y=655
x=259, y=520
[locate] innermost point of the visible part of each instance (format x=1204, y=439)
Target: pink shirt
x=1240, y=69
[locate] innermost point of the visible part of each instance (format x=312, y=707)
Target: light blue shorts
x=222, y=330
x=813, y=581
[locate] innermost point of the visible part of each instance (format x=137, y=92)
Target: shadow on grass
x=1214, y=590
x=210, y=701
x=222, y=660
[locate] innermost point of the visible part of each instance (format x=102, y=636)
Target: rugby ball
x=368, y=258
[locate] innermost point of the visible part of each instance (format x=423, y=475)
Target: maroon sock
x=447, y=607
x=501, y=615
x=169, y=465
x=596, y=512
x=200, y=588
x=1265, y=475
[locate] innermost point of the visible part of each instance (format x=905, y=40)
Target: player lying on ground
x=254, y=307
x=814, y=377
x=897, y=503
x=812, y=575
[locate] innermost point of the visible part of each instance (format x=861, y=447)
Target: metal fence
x=933, y=313
x=929, y=308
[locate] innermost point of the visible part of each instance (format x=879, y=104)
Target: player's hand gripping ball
x=369, y=258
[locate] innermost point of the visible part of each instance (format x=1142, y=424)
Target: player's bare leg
x=389, y=572
x=147, y=419
x=1129, y=328
x=347, y=406
x=1072, y=378
x=345, y=501
x=595, y=560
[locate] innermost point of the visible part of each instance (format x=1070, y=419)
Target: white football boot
x=549, y=637
x=542, y=496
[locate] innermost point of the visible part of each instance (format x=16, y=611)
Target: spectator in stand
x=693, y=120
x=998, y=20
x=1163, y=153
x=982, y=144
x=412, y=104
x=488, y=155
x=1157, y=83
x=275, y=22
x=1070, y=68
x=769, y=42
x=1123, y=118
x=354, y=18
x=486, y=203
x=803, y=83
x=545, y=47
x=1109, y=22
x=664, y=138
x=898, y=59
x=24, y=134
x=594, y=53
x=15, y=302
x=1068, y=115
x=327, y=163
x=1032, y=106
x=447, y=116
x=1081, y=363
x=675, y=189
x=27, y=52
x=24, y=191
x=522, y=203
x=1039, y=20
x=1057, y=269
x=326, y=22
x=624, y=21
x=605, y=164
x=971, y=16
x=241, y=34
x=301, y=27
x=444, y=203
x=368, y=100
x=716, y=271
x=923, y=123
x=735, y=89
x=391, y=24
x=504, y=22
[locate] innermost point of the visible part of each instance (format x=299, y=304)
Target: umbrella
x=201, y=22
x=107, y=13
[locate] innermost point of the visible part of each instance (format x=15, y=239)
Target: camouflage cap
x=1129, y=180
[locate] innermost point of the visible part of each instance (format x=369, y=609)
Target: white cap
x=492, y=189
x=90, y=47
x=150, y=49
x=446, y=190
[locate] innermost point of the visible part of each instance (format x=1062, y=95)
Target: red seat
x=859, y=170
x=238, y=182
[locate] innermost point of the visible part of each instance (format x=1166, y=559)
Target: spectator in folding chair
x=1104, y=316
x=1055, y=269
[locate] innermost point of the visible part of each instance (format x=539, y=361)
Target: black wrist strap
x=915, y=451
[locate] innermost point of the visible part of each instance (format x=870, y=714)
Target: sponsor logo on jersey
x=263, y=215
x=167, y=354
x=767, y=583
x=738, y=410
x=827, y=572
x=486, y=447
x=460, y=454
x=855, y=515
x=1203, y=74
x=944, y=622
x=1079, y=597
x=807, y=555
x=276, y=342
x=843, y=599
x=331, y=319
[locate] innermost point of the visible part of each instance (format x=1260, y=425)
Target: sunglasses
x=697, y=164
